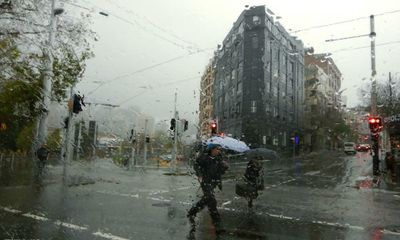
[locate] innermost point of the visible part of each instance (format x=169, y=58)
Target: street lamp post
x=48, y=74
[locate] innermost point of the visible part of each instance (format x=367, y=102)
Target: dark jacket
x=210, y=169
x=253, y=174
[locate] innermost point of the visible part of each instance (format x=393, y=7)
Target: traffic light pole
x=145, y=142
x=375, y=140
x=175, y=149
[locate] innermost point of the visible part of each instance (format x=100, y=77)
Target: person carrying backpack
x=209, y=169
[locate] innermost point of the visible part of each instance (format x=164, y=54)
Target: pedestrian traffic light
x=77, y=103
x=173, y=124
x=147, y=139
x=213, y=128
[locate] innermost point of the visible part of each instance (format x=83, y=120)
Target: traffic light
x=77, y=104
x=375, y=124
x=185, y=125
x=173, y=124
x=147, y=139
x=213, y=128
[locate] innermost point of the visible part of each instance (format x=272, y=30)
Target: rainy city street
x=200, y=120
x=330, y=196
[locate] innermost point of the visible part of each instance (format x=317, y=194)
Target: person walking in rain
x=209, y=169
x=42, y=154
x=254, y=177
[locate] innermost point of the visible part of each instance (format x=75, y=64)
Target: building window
x=238, y=108
x=267, y=108
x=233, y=74
x=275, y=112
x=239, y=87
x=254, y=41
x=284, y=139
x=253, y=108
x=256, y=20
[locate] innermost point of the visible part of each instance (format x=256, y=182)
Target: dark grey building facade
x=259, y=82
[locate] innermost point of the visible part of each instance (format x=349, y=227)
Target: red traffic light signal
x=214, y=128
x=375, y=124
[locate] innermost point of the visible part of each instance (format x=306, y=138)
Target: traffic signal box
x=213, y=128
x=375, y=124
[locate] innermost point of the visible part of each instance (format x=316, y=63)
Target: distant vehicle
x=350, y=148
x=363, y=147
x=166, y=157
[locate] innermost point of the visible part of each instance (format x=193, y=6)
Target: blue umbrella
x=229, y=143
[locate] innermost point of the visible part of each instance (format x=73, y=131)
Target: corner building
x=259, y=82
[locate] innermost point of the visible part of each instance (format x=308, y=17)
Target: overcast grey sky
x=140, y=34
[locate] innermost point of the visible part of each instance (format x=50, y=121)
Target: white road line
x=36, y=217
x=70, y=225
x=64, y=224
x=312, y=173
x=108, y=236
x=390, y=232
x=119, y=194
x=10, y=210
x=158, y=199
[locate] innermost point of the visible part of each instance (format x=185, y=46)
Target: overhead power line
x=342, y=22
x=135, y=23
x=367, y=46
x=161, y=86
x=144, y=69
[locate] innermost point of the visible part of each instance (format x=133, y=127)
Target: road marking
x=36, y=217
x=119, y=194
x=63, y=224
x=281, y=183
x=108, y=236
x=384, y=231
x=10, y=210
x=158, y=199
x=70, y=225
x=312, y=173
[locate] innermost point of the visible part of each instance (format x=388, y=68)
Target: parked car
x=350, y=148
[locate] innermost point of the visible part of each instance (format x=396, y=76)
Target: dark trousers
x=208, y=199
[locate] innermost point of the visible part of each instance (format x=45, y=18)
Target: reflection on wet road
x=331, y=196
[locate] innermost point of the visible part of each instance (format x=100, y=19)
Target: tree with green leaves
x=23, y=39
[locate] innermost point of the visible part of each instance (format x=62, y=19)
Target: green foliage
x=54, y=140
x=25, y=138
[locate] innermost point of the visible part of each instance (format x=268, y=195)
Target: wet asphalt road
x=328, y=196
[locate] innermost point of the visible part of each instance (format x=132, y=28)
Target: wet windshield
x=164, y=119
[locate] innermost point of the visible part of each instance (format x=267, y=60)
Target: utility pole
x=65, y=149
x=372, y=35
x=175, y=149
x=145, y=142
x=375, y=140
x=47, y=78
